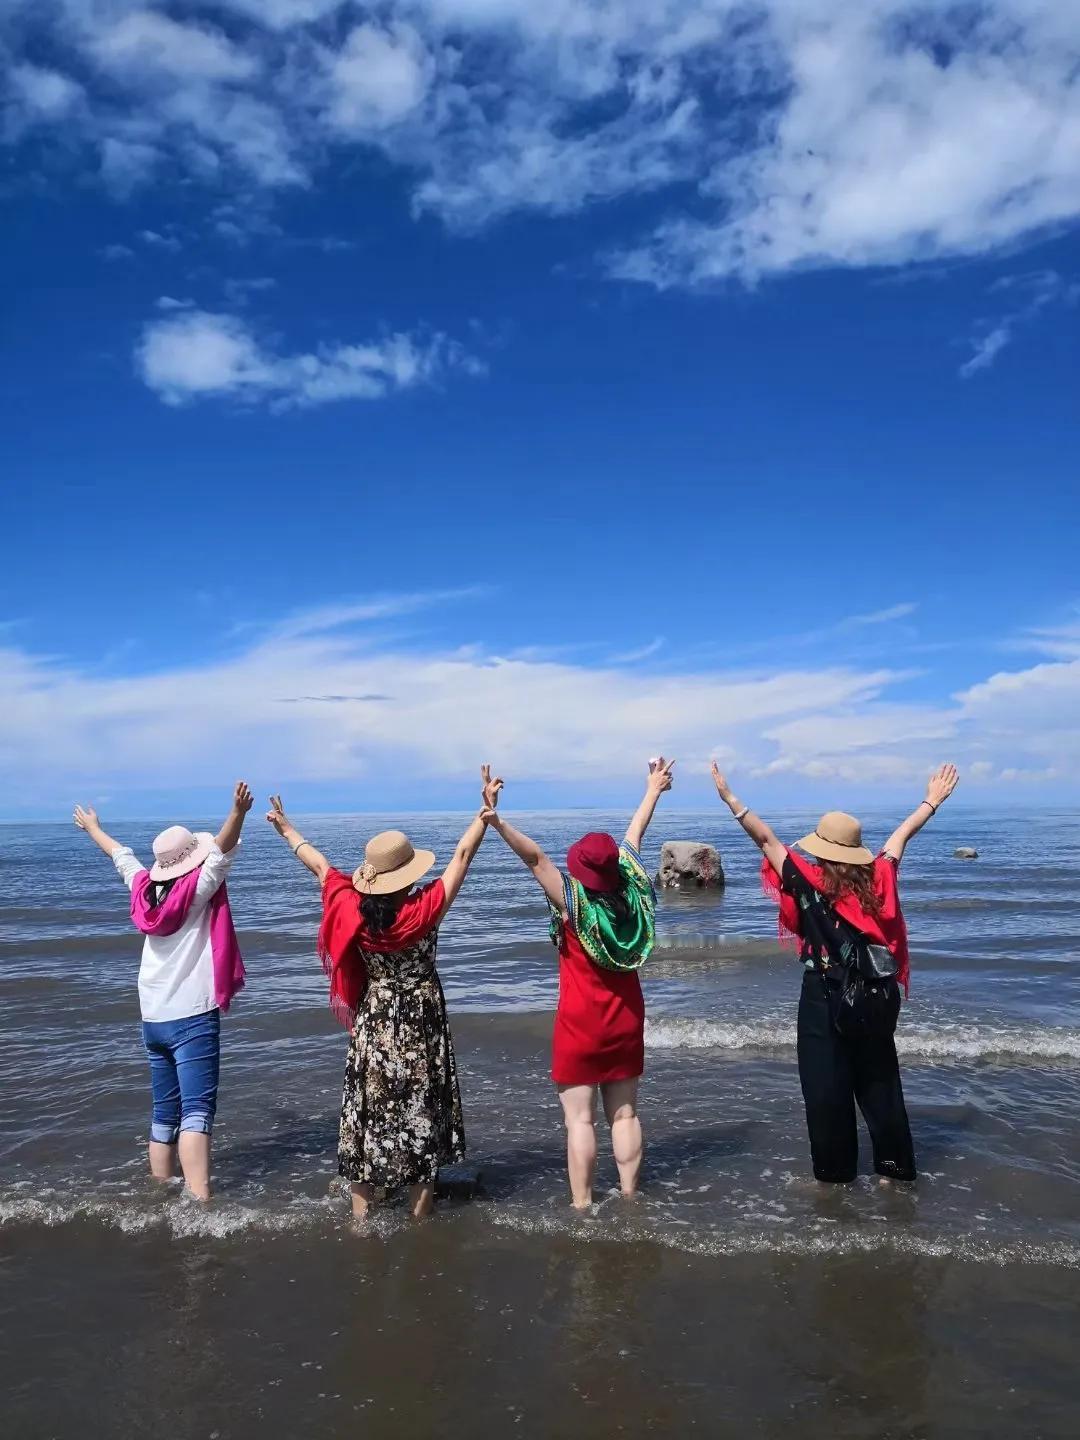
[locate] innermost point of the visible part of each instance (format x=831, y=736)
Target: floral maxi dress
x=401, y=1107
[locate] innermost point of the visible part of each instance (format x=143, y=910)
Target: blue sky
x=388, y=388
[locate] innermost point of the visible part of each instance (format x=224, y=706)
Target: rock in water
x=689, y=865
x=965, y=852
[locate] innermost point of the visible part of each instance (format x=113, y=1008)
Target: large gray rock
x=965, y=852
x=689, y=865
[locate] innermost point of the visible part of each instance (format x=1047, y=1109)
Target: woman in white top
x=191, y=968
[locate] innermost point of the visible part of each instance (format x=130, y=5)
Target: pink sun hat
x=177, y=851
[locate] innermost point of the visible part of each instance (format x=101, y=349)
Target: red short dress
x=599, y=1031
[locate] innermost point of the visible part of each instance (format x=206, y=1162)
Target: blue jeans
x=184, y=1059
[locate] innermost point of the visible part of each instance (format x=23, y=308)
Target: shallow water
x=728, y=1225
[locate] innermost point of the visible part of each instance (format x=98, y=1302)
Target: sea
x=734, y=1296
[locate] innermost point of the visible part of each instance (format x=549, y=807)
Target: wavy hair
x=839, y=880
x=380, y=911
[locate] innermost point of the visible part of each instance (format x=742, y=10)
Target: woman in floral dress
x=401, y=1107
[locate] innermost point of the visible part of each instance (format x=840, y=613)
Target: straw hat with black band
x=390, y=864
x=838, y=837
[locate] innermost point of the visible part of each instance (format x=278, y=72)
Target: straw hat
x=177, y=852
x=390, y=863
x=837, y=837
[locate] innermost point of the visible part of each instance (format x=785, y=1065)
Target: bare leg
x=620, y=1107
x=195, y=1162
x=421, y=1200
x=162, y=1160
x=579, y=1112
x=363, y=1197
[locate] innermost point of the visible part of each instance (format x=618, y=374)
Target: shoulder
x=886, y=871
x=792, y=879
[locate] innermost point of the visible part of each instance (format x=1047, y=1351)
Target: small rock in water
x=965, y=852
x=458, y=1182
x=689, y=865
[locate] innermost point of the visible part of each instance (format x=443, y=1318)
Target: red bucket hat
x=594, y=861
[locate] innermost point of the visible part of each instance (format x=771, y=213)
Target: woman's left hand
x=491, y=788
x=242, y=797
x=941, y=785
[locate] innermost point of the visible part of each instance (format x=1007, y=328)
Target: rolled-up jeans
x=184, y=1060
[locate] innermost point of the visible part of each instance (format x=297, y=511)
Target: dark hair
x=839, y=880
x=615, y=902
x=380, y=911
x=159, y=889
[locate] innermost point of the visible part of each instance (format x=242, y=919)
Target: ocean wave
x=805, y=1243
x=1030, y=1045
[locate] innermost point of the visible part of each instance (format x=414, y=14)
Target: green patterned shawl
x=624, y=945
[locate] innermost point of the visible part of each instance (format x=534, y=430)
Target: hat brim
x=189, y=862
x=821, y=849
x=391, y=881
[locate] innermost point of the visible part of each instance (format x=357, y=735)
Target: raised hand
x=941, y=785
x=276, y=815
x=490, y=788
x=85, y=819
x=660, y=774
x=242, y=797
x=723, y=789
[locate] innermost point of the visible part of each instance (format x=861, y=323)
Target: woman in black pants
x=844, y=913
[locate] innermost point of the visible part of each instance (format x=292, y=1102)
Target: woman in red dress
x=602, y=915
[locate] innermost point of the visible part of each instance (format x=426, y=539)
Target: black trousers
x=835, y=1072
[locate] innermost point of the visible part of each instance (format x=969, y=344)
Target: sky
x=389, y=388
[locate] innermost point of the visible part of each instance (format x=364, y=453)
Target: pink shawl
x=167, y=918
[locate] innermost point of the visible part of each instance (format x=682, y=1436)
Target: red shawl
x=344, y=936
x=886, y=928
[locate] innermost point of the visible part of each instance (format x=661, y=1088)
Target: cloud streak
x=199, y=355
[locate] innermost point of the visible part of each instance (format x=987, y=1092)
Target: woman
x=191, y=969
x=401, y=1107
x=602, y=915
x=844, y=915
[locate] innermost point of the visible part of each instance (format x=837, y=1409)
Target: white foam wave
x=835, y=1241
x=183, y=1219
x=1031, y=1045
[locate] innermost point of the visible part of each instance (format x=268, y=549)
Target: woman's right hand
x=85, y=819
x=660, y=774
x=276, y=815
x=723, y=789
x=941, y=785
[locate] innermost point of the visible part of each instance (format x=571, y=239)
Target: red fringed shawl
x=343, y=937
x=886, y=928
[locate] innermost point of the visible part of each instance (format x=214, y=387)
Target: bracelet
x=743, y=813
x=933, y=807
x=299, y=844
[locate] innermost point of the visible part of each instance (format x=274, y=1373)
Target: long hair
x=380, y=911
x=615, y=902
x=839, y=880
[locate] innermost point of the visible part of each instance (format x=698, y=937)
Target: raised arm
x=303, y=849
x=659, y=780
x=227, y=837
x=939, y=787
x=465, y=852
x=544, y=871
x=87, y=820
x=761, y=833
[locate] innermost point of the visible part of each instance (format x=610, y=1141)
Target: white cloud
x=776, y=134
x=439, y=711
x=45, y=94
x=1031, y=293
x=377, y=78
x=147, y=46
x=199, y=354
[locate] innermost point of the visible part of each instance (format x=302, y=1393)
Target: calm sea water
x=990, y=1050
